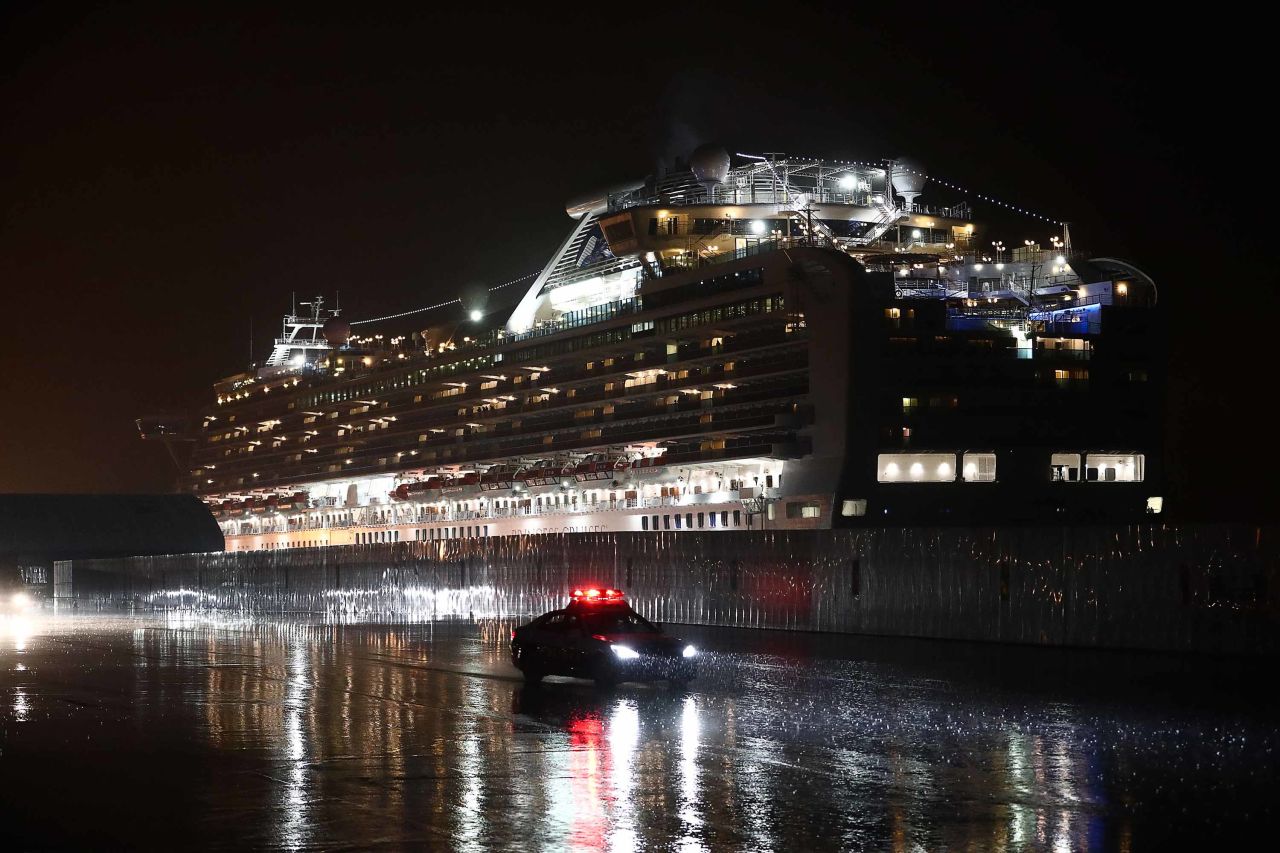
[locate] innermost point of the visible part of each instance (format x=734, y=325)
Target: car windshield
x=617, y=620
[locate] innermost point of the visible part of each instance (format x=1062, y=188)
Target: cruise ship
x=737, y=342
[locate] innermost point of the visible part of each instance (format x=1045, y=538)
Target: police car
x=599, y=636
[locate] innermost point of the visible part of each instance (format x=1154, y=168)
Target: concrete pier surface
x=184, y=730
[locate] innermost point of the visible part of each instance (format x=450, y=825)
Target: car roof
x=596, y=606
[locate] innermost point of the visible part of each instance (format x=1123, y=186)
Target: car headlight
x=689, y=651
x=625, y=652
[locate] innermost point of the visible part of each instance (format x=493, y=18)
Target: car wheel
x=527, y=664
x=605, y=677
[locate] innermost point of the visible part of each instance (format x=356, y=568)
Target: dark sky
x=171, y=171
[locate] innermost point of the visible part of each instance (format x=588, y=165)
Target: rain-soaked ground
x=189, y=731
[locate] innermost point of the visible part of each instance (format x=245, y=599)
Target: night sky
x=171, y=173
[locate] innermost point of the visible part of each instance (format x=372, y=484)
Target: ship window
x=688, y=520
x=677, y=521
x=916, y=468
x=979, y=467
x=851, y=508
x=666, y=522
x=1064, y=467
x=1114, y=467
x=737, y=518
x=644, y=522
x=801, y=509
x=701, y=519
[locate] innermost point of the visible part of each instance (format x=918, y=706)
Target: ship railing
x=731, y=194
x=690, y=261
x=451, y=515
x=573, y=320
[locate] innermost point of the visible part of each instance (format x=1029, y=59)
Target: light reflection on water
x=423, y=734
x=294, y=830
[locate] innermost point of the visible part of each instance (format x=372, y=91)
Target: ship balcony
x=561, y=417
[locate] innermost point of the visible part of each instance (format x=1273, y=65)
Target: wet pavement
x=189, y=731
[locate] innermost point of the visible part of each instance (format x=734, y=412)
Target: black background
x=170, y=172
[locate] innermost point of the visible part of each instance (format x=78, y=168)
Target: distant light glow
x=758, y=227
x=477, y=316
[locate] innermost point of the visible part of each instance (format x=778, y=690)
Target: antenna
x=250, y=340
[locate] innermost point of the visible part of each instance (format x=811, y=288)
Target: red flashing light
x=594, y=595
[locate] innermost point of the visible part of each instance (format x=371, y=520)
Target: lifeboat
x=461, y=484
x=498, y=478
x=544, y=474
x=235, y=508
x=419, y=488
x=284, y=503
x=647, y=466
x=216, y=509
x=257, y=505
x=594, y=467
x=400, y=492
x=272, y=504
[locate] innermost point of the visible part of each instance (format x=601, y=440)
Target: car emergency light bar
x=591, y=596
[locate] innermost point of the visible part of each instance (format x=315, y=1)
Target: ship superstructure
x=737, y=343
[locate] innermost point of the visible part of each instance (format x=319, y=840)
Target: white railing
x=448, y=514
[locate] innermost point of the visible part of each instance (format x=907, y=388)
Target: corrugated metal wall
x=1209, y=587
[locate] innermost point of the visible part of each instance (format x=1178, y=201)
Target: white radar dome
x=709, y=164
x=908, y=178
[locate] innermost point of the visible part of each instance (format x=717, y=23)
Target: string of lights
x=945, y=183
x=439, y=304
